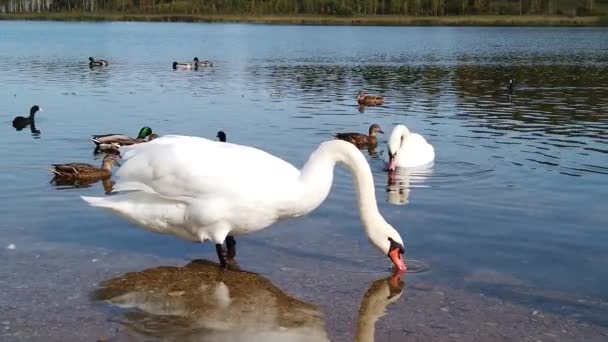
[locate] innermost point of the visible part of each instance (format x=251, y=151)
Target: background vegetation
x=148, y=9
x=316, y=7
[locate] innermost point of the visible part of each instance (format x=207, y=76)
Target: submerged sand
x=54, y=293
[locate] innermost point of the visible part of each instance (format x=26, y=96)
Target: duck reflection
x=202, y=302
x=65, y=183
x=400, y=182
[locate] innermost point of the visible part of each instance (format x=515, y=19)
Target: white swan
x=407, y=149
x=190, y=187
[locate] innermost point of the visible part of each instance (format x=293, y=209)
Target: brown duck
x=85, y=172
x=369, y=100
x=362, y=140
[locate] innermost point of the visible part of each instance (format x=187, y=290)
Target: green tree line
x=311, y=7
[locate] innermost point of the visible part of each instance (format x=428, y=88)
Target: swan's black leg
x=231, y=247
x=220, y=254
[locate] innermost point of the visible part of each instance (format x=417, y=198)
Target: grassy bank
x=482, y=20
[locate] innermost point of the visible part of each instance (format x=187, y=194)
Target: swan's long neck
x=316, y=178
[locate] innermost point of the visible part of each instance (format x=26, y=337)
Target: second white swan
x=406, y=149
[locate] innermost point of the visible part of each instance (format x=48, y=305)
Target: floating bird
x=122, y=139
x=21, y=122
x=98, y=62
x=221, y=136
x=85, y=172
x=407, y=149
x=362, y=140
x=202, y=64
x=369, y=100
x=110, y=143
x=189, y=187
x=184, y=66
x=510, y=87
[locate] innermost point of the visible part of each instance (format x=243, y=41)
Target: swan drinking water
x=406, y=149
x=189, y=187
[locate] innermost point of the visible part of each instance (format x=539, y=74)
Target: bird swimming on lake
x=85, y=172
x=362, y=140
x=21, y=122
x=408, y=149
x=184, y=66
x=122, y=139
x=202, y=64
x=98, y=62
x=189, y=187
x=510, y=87
x=369, y=100
x=221, y=136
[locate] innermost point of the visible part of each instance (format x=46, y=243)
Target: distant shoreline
x=388, y=20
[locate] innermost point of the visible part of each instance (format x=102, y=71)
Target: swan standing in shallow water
x=406, y=149
x=189, y=187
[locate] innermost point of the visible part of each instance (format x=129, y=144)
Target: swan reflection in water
x=202, y=302
x=400, y=182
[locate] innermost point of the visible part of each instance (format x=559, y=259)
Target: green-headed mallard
x=362, y=140
x=121, y=139
x=85, y=172
x=202, y=64
x=97, y=63
x=369, y=100
x=21, y=122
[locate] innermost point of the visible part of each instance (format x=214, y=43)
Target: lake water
x=510, y=224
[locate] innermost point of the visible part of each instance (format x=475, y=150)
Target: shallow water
x=513, y=207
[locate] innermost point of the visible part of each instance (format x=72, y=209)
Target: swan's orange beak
x=396, y=255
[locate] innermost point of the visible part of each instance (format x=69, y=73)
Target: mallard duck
x=188, y=187
x=369, y=100
x=105, y=140
x=21, y=122
x=98, y=62
x=114, y=146
x=85, y=172
x=184, y=66
x=362, y=140
x=406, y=149
x=202, y=64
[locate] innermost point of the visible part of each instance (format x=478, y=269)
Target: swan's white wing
x=415, y=151
x=185, y=168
